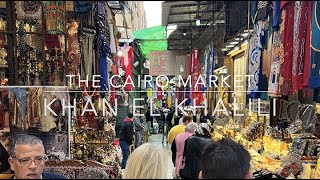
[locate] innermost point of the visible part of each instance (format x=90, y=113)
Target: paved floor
x=156, y=139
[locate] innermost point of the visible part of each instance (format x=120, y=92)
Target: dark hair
x=130, y=115
x=23, y=139
x=225, y=159
x=186, y=118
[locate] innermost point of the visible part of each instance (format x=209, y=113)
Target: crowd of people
x=194, y=154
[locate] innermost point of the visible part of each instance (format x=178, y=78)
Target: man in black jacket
x=126, y=136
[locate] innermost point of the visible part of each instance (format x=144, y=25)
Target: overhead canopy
x=151, y=39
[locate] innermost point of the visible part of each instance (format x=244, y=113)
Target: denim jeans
x=125, y=152
x=138, y=138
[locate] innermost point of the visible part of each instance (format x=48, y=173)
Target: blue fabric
x=314, y=78
x=82, y=6
x=104, y=49
x=103, y=72
x=125, y=152
x=46, y=175
x=276, y=12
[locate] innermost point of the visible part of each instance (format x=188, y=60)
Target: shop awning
x=151, y=39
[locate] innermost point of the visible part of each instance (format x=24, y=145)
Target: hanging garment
x=307, y=58
x=104, y=49
x=55, y=16
x=314, y=79
x=73, y=48
x=277, y=57
x=111, y=31
x=262, y=10
x=255, y=59
x=126, y=61
x=88, y=55
x=267, y=50
x=28, y=9
x=285, y=81
x=20, y=97
x=33, y=110
x=299, y=43
x=276, y=15
x=254, y=12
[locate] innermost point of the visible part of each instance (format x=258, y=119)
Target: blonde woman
x=147, y=162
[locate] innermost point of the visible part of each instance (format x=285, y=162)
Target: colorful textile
x=277, y=57
x=314, y=79
x=126, y=61
x=262, y=11
x=55, y=15
x=104, y=49
x=255, y=59
x=285, y=80
x=299, y=43
x=28, y=9
x=307, y=59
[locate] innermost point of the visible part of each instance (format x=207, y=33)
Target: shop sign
x=162, y=63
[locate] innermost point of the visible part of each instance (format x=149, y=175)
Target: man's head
x=27, y=157
x=191, y=127
x=225, y=159
x=186, y=120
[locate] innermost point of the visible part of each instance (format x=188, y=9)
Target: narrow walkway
x=156, y=140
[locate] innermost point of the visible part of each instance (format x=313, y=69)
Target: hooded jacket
x=126, y=132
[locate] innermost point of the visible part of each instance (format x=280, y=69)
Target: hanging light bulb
x=198, y=22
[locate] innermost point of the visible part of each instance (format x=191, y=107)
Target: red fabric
x=299, y=47
x=127, y=65
x=159, y=93
x=196, y=94
x=52, y=41
x=306, y=70
x=286, y=66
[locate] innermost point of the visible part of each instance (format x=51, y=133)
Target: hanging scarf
x=277, y=57
x=314, y=79
x=255, y=59
x=299, y=43
x=55, y=15
x=306, y=71
x=287, y=38
x=104, y=49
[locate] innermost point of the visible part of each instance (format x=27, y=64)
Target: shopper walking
x=178, y=146
x=126, y=137
x=138, y=131
x=193, y=149
x=178, y=128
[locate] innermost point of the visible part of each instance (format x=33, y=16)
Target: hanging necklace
x=87, y=96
